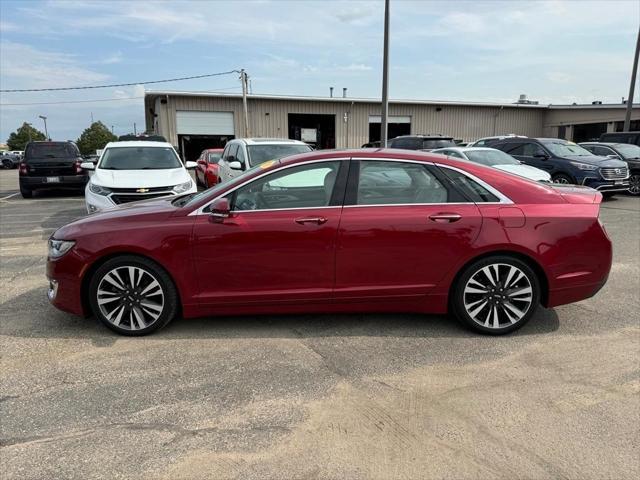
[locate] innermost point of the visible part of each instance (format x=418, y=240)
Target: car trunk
x=578, y=194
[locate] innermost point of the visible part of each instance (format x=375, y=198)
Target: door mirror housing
x=87, y=166
x=235, y=165
x=190, y=165
x=219, y=210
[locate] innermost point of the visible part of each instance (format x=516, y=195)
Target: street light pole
x=243, y=79
x=632, y=86
x=385, y=79
x=46, y=132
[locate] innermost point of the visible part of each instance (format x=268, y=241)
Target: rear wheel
x=562, y=179
x=634, y=183
x=132, y=295
x=496, y=295
x=6, y=163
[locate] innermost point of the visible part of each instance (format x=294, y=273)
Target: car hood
x=140, y=178
x=532, y=173
x=596, y=160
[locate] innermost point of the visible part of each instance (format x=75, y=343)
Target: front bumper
x=606, y=185
x=65, y=283
x=65, y=181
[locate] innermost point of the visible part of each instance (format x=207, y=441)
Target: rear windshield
x=139, y=158
x=214, y=157
x=36, y=151
x=433, y=144
x=491, y=157
x=261, y=153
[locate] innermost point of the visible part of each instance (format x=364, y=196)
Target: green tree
x=95, y=138
x=26, y=133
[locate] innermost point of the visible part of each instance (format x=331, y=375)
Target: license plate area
x=52, y=180
x=618, y=182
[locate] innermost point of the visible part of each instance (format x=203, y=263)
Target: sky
x=554, y=51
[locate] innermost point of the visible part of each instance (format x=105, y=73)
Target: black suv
x=51, y=165
x=421, y=142
x=622, y=151
x=568, y=162
x=621, y=137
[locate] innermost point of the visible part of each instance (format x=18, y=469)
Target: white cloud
x=115, y=57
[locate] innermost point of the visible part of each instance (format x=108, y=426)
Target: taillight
x=78, y=167
x=23, y=168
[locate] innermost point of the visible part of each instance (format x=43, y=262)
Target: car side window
x=233, y=150
x=240, y=156
x=469, y=187
x=408, y=143
x=526, y=150
x=306, y=186
x=453, y=153
x=393, y=183
x=604, y=151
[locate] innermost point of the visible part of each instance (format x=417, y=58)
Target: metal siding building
x=348, y=119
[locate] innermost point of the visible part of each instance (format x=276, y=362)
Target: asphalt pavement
x=314, y=396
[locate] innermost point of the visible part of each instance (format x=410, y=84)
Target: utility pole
x=46, y=132
x=111, y=129
x=243, y=78
x=385, y=80
x=632, y=86
x=134, y=129
x=28, y=130
x=91, y=118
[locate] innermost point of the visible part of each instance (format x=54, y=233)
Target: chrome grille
x=617, y=173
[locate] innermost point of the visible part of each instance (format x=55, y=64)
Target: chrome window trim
x=200, y=211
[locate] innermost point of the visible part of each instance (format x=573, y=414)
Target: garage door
x=204, y=123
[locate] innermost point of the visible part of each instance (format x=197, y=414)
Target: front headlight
x=58, y=248
x=584, y=166
x=183, y=187
x=97, y=189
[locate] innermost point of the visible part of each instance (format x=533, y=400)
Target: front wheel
x=6, y=163
x=496, y=295
x=562, y=179
x=25, y=192
x=634, y=183
x=132, y=295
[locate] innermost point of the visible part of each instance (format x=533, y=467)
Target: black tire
x=562, y=178
x=634, y=183
x=6, y=163
x=608, y=195
x=465, y=301
x=25, y=192
x=129, y=321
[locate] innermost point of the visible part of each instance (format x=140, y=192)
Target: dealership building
x=194, y=121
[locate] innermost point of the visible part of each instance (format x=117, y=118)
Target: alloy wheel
x=562, y=180
x=130, y=298
x=498, y=295
x=634, y=184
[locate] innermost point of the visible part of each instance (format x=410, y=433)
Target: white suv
x=136, y=170
x=241, y=154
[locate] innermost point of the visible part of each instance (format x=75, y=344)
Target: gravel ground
x=314, y=396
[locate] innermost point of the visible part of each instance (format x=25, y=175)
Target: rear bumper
x=66, y=181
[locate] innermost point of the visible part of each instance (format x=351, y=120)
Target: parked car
x=207, y=169
x=496, y=159
x=338, y=231
x=9, y=160
x=421, y=142
x=375, y=144
x=621, y=137
x=48, y=165
x=487, y=141
x=622, y=151
x=136, y=170
x=569, y=163
x=241, y=154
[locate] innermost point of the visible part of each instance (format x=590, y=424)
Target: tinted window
x=261, y=153
x=51, y=150
x=139, y=158
x=604, y=151
x=407, y=143
x=297, y=187
x=525, y=149
x=231, y=152
x=471, y=189
x=389, y=183
x=240, y=155
x=432, y=144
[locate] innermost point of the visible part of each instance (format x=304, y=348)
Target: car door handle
x=316, y=220
x=445, y=217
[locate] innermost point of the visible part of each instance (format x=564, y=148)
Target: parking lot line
x=9, y=196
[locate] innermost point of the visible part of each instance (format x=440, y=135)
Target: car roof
x=268, y=141
x=138, y=143
x=434, y=136
x=606, y=144
x=466, y=149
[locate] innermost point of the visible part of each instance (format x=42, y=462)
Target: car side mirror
x=190, y=165
x=219, y=210
x=87, y=166
x=235, y=165
x=614, y=156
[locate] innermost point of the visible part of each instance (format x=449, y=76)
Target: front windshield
x=563, y=149
x=139, y=158
x=491, y=157
x=262, y=153
x=628, y=151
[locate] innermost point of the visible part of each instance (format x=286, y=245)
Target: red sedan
x=207, y=169
x=341, y=231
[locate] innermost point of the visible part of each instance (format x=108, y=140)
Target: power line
x=118, y=84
